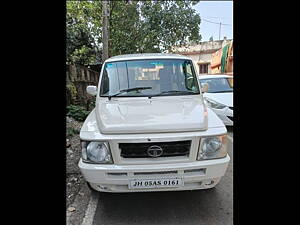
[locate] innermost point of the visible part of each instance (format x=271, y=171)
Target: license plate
x=155, y=183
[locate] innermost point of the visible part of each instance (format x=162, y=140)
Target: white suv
x=150, y=129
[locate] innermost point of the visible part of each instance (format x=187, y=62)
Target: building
x=222, y=60
x=207, y=55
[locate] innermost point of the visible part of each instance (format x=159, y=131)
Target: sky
x=216, y=12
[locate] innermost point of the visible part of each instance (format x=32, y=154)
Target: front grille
x=139, y=150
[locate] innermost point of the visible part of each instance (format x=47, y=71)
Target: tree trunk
x=105, y=34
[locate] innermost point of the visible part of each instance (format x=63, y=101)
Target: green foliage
x=92, y=104
x=82, y=55
x=167, y=24
x=83, y=26
x=71, y=87
x=134, y=27
x=71, y=131
x=125, y=28
x=152, y=26
x=77, y=112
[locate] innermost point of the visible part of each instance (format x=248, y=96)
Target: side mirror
x=205, y=87
x=92, y=90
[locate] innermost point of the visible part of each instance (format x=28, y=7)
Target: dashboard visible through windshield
x=149, y=77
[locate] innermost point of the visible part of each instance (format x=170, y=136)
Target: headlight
x=212, y=147
x=213, y=104
x=96, y=152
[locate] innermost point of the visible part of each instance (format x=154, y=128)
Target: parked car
x=219, y=96
x=150, y=129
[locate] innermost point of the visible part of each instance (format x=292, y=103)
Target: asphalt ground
x=201, y=207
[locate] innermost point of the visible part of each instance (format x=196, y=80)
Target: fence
x=78, y=78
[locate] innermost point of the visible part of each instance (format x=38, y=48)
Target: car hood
x=143, y=115
x=225, y=98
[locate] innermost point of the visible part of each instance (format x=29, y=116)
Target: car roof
x=147, y=56
x=214, y=76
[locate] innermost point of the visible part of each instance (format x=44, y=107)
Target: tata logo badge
x=155, y=151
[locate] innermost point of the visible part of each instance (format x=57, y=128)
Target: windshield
x=218, y=84
x=148, y=78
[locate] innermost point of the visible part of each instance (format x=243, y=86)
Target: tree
x=168, y=23
x=125, y=27
x=211, y=38
x=133, y=27
x=152, y=26
x=83, y=32
x=105, y=36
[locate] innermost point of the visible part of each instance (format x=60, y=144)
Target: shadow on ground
x=207, y=207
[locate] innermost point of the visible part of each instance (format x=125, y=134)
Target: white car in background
x=219, y=96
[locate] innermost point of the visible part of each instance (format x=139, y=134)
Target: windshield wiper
x=173, y=91
x=128, y=90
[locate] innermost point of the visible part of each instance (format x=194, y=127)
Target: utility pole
x=220, y=31
x=220, y=23
x=105, y=34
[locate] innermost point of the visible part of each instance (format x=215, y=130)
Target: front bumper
x=115, y=178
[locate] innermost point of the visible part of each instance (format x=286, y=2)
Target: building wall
x=204, y=59
x=201, y=53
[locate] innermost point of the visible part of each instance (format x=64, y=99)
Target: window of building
x=203, y=68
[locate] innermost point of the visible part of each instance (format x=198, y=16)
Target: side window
x=104, y=88
x=189, y=70
x=109, y=83
x=191, y=82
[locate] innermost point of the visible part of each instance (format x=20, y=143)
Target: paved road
x=202, y=207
